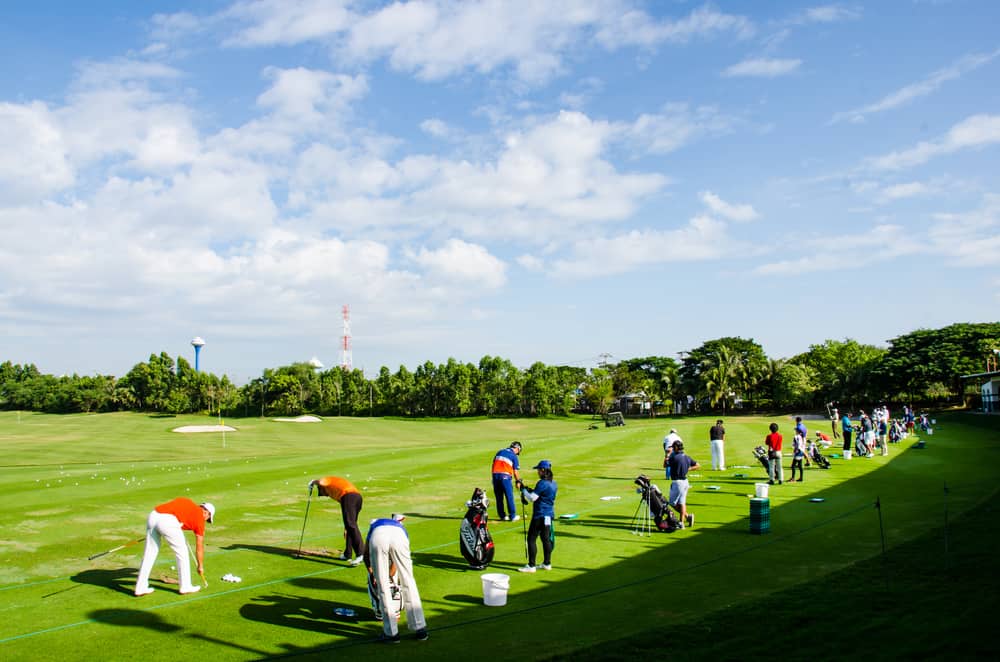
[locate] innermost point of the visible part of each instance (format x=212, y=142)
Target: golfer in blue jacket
x=543, y=500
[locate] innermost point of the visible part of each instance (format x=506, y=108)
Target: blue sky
x=538, y=181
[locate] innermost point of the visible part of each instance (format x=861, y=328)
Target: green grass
x=76, y=485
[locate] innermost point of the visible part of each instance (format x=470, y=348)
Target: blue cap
x=543, y=464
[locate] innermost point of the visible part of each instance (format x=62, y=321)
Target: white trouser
x=167, y=526
x=389, y=545
x=718, y=455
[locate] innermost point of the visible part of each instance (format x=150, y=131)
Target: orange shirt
x=336, y=487
x=187, y=512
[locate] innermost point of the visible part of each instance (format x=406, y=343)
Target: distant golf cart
x=613, y=419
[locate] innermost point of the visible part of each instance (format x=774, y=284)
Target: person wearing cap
x=387, y=558
x=668, y=448
x=506, y=473
x=169, y=521
x=347, y=495
x=717, y=445
x=680, y=464
x=543, y=513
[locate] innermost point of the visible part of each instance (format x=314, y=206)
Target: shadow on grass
x=451, y=562
x=133, y=618
x=121, y=580
x=327, y=584
x=306, y=554
x=302, y=613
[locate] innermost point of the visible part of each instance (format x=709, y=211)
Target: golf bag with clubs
x=761, y=454
x=474, y=538
x=818, y=458
x=375, y=596
x=663, y=516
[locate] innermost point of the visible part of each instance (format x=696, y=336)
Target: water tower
x=197, y=343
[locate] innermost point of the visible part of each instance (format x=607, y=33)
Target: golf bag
x=818, y=458
x=663, y=516
x=474, y=538
x=376, y=597
x=761, y=454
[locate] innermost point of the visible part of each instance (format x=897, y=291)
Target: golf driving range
x=77, y=490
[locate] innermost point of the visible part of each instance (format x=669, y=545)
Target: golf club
x=115, y=549
x=524, y=523
x=194, y=558
x=304, y=520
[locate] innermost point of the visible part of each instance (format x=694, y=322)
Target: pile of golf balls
x=230, y=577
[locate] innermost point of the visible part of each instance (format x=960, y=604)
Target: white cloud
x=310, y=97
x=922, y=88
x=435, y=127
x=722, y=208
x=34, y=160
x=973, y=132
x=969, y=239
x=434, y=39
x=824, y=14
x=457, y=261
x=762, y=68
x=634, y=27
x=675, y=126
x=530, y=262
x=703, y=238
x=900, y=191
x=888, y=240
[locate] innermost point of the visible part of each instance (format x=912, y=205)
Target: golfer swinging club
x=169, y=520
x=344, y=492
x=505, y=474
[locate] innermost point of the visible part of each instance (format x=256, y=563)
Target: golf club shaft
x=304, y=520
x=201, y=571
x=115, y=549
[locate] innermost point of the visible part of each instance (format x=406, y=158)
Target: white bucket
x=760, y=490
x=847, y=454
x=930, y=430
x=495, y=587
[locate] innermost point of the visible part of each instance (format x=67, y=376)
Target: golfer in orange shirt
x=170, y=520
x=344, y=492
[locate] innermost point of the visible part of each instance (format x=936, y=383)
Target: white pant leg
x=718, y=455
x=378, y=551
x=150, y=553
x=171, y=531
x=407, y=584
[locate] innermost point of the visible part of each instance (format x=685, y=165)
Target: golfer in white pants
x=717, y=442
x=388, y=550
x=169, y=521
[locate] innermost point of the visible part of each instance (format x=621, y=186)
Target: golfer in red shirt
x=774, y=469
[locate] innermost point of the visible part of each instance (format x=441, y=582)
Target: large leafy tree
x=744, y=360
x=843, y=368
x=915, y=362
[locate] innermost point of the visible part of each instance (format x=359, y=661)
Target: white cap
x=211, y=511
x=399, y=517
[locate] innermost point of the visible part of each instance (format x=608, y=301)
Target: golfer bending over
x=343, y=491
x=543, y=500
x=680, y=465
x=169, y=520
x=387, y=554
x=505, y=474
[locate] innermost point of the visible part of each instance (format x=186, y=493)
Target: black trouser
x=847, y=440
x=539, y=527
x=350, y=507
x=797, y=462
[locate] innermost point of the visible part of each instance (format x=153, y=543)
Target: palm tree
x=721, y=373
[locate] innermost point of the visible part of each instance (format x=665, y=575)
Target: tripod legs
x=642, y=523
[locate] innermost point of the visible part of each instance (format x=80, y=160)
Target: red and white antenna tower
x=345, y=347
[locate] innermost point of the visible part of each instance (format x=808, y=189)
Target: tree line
x=719, y=375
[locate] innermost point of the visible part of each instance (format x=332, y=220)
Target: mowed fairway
x=73, y=486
